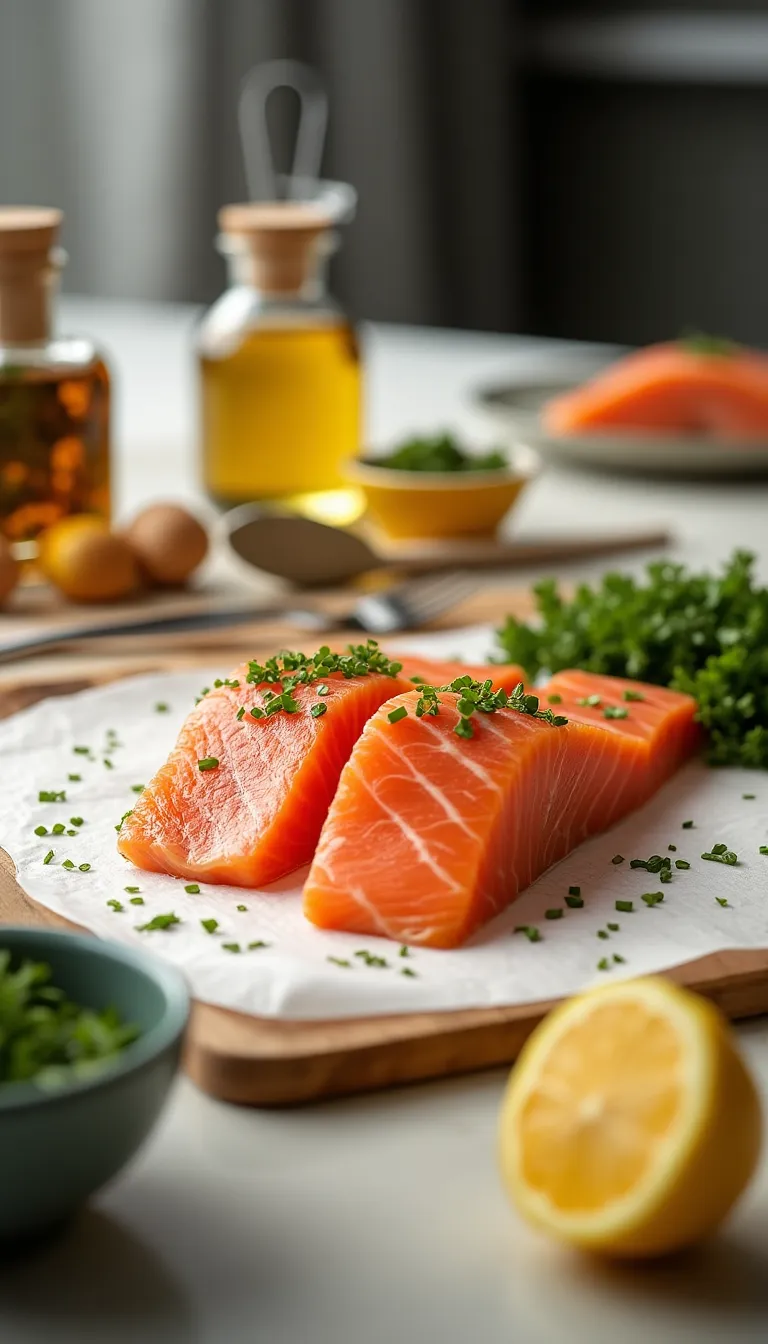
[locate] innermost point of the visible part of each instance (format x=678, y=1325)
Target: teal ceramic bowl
x=58, y=1147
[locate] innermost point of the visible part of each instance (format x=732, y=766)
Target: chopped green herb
x=395, y=715
x=67, y=863
x=210, y=925
x=530, y=931
x=404, y=951
x=52, y=796
x=617, y=858
x=721, y=900
x=614, y=928
x=652, y=897
x=76, y=821
x=231, y=947
x=625, y=907
x=136, y=900
x=575, y=902
x=682, y=863
x=602, y=933
x=574, y=891
x=119, y=825
x=555, y=913
x=58, y=829
x=407, y=970
x=637, y=863
x=240, y=713
x=632, y=695
x=192, y=889
x=322, y=689
x=687, y=825
x=48, y=856
x=108, y=763
x=132, y=890
x=654, y=864
x=603, y=964
x=161, y=707
x=672, y=849
x=83, y=867
x=137, y=788
x=317, y=711
x=369, y=959
x=256, y=713
x=71, y=831
x=208, y=763
x=749, y=797
x=665, y=875
x=554, y=699
x=589, y=701
x=764, y=849
x=440, y=453
x=82, y=751
x=242, y=907
x=620, y=961
x=720, y=854
x=615, y=712
x=116, y=905
x=159, y=922
x=257, y=944
x=41, y=830
x=339, y=961
x=74, y=779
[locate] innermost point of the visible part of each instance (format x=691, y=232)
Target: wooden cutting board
x=263, y=1062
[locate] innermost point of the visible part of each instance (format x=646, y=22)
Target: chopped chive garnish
x=108, y=763
x=52, y=796
x=208, y=763
x=654, y=864
x=71, y=831
x=136, y=900
x=749, y=797
x=339, y=961
x=67, y=863
x=721, y=854
x=555, y=913
x=256, y=944
x=665, y=875
x=601, y=933
x=682, y=863
x=617, y=858
x=317, y=711
x=614, y=928
x=619, y=959
x=603, y=964
x=632, y=695
x=76, y=821
x=256, y=713
x=131, y=890
x=555, y=699
x=530, y=931
x=764, y=849
x=575, y=902
x=231, y=947
x=83, y=867
x=74, y=779
x=210, y=925
x=625, y=907
x=404, y=951
x=652, y=897
x=192, y=889
x=408, y=970
x=119, y=825
x=161, y=707
x=637, y=863
x=395, y=715
x=41, y=830
x=58, y=829
x=116, y=905
x=137, y=788
x=615, y=712
x=48, y=856
x=721, y=900
x=82, y=751
x=589, y=701
x=240, y=713
x=672, y=849
x=369, y=959
x=687, y=825
x=242, y=907
x=159, y=922
x=574, y=891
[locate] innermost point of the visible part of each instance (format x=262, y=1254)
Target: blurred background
x=561, y=169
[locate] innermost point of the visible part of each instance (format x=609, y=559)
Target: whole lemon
x=86, y=562
x=168, y=542
x=9, y=570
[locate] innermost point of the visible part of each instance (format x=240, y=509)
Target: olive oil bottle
x=280, y=370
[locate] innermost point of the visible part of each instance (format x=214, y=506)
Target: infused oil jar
x=280, y=372
x=54, y=391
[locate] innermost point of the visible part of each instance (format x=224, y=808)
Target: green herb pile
x=44, y=1036
x=705, y=635
x=441, y=453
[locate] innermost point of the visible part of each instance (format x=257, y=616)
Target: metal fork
x=402, y=607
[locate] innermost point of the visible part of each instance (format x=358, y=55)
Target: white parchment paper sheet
x=293, y=976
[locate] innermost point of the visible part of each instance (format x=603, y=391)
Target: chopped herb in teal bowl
x=88, y=1052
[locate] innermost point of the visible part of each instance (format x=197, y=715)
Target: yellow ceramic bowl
x=436, y=504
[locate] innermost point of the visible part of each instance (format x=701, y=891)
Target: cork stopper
x=279, y=239
x=28, y=235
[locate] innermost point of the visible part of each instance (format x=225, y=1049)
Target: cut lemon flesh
x=630, y=1123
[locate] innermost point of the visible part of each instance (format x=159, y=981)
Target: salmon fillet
x=431, y=835
x=669, y=388
x=257, y=814
x=436, y=673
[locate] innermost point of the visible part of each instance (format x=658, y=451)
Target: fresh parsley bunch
x=697, y=633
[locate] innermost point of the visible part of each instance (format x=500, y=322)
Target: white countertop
x=378, y=1219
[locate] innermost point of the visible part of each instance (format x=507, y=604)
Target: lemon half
x=630, y=1124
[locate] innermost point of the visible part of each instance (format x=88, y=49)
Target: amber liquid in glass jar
x=54, y=447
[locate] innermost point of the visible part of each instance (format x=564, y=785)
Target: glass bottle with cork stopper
x=280, y=365
x=54, y=391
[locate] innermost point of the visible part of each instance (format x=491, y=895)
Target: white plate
x=514, y=409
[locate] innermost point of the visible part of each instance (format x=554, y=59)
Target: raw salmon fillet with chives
x=431, y=834
x=254, y=811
